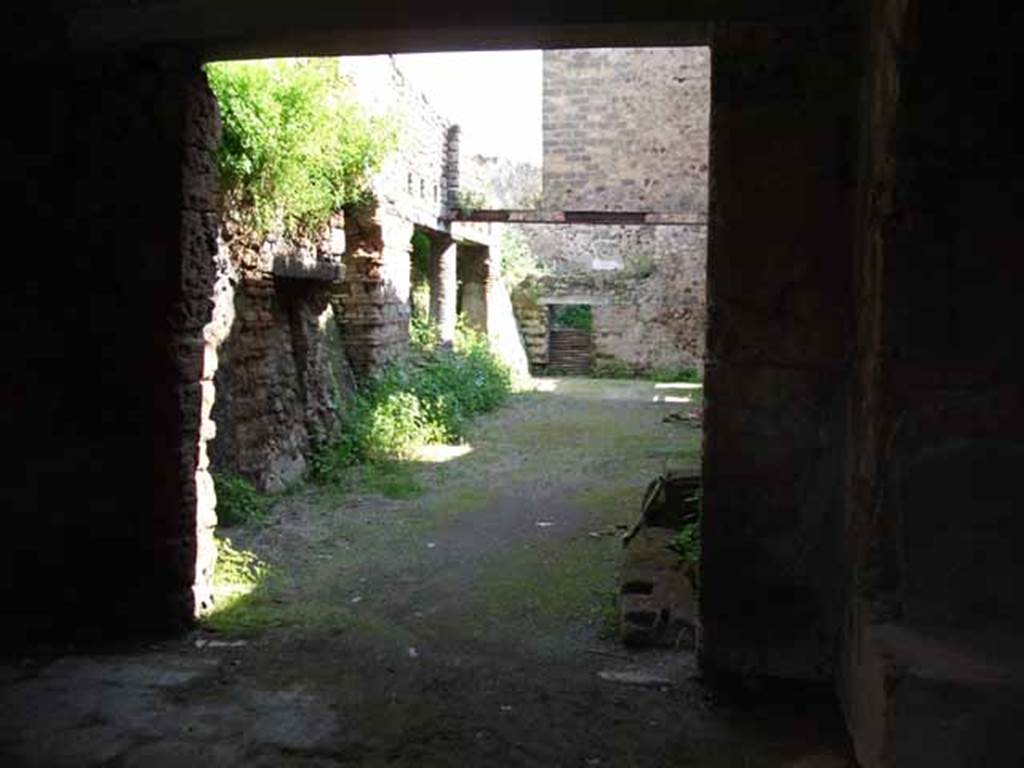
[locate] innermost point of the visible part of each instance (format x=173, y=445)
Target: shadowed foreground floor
x=467, y=623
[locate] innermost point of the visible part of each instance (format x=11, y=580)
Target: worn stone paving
x=467, y=623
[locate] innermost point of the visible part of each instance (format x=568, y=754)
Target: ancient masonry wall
x=413, y=189
x=414, y=181
x=624, y=130
x=936, y=430
x=110, y=503
x=645, y=286
x=283, y=377
x=300, y=322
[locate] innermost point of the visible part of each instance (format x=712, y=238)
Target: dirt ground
x=461, y=614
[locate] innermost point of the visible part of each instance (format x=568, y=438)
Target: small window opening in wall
x=408, y=183
x=435, y=193
x=423, y=188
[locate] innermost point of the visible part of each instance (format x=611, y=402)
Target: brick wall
x=626, y=129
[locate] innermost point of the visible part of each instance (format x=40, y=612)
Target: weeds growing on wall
x=428, y=398
x=296, y=145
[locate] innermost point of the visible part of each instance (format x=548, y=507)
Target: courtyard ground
x=461, y=613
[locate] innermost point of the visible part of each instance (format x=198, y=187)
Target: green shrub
x=296, y=145
x=467, y=201
x=517, y=259
x=687, y=542
x=238, y=502
x=574, y=316
x=427, y=399
x=423, y=334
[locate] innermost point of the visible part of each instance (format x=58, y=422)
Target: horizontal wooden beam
x=636, y=218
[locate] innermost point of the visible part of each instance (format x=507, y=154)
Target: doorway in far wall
x=570, y=339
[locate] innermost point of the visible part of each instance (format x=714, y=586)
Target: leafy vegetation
x=687, y=541
x=517, y=259
x=238, y=502
x=237, y=567
x=296, y=145
x=617, y=369
x=468, y=201
x=238, y=574
x=427, y=399
x=419, y=272
x=689, y=374
x=577, y=316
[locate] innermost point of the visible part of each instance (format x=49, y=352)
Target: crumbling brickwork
x=301, y=320
x=283, y=377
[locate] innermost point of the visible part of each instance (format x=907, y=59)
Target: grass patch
x=238, y=575
x=617, y=369
x=393, y=479
x=548, y=584
x=689, y=374
x=429, y=398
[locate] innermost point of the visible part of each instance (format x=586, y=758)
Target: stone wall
x=626, y=129
x=107, y=384
x=777, y=365
x=307, y=319
x=283, y=377
x=930, y=669
x=645, y=285
x=414, y=180
x=415, y=187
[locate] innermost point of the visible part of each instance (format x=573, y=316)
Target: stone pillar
x=444, y=288
x=201, y=290
x=374, y=295
x=451, y=168
x=779, y=310
x=131, y=267
x=475, y=283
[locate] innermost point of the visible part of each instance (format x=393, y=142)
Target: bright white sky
x=495, y=97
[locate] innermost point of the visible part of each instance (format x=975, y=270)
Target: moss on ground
x=332, y=557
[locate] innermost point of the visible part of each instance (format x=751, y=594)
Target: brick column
x=778, y=311
x=444, y=288
x=374, y=296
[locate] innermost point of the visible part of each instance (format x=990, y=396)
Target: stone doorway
x=570, y=339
